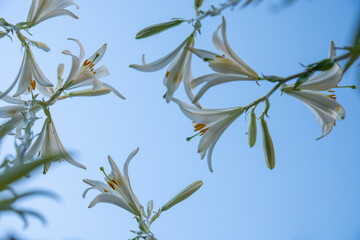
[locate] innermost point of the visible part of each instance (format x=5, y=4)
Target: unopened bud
x=158, y=28
x=90, y=92
x=252, y=130
x=198, y=3
x=182, y=195
x=60, y=70
x=267, y=144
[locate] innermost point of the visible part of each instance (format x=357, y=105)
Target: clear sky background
x=314, y=190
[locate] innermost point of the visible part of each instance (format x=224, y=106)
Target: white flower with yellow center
x=48, y=144
x=210, y=124
x=178, y=71
x=86, y=74
x=228, y=67
x=324, y=107
x=41, y=10
x=29, y=77
x=117, y=189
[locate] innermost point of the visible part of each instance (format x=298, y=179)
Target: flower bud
x=252, y=130
x=198, y=3
x=90, y=92
x=40, y=45
x=150, y=206
x=157, y=28
x=60, y=70
x=2, y=34
x=267, y=144
x=182, y=195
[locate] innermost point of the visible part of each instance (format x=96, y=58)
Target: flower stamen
x=332, y=96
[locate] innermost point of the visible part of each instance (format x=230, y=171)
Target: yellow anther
x=33, y=84
x=167, y=74
x=332, y=96
x=199, y=126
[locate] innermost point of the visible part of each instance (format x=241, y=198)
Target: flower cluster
x=118, y=191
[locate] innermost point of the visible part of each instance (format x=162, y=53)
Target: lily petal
x=160, y=63
x=325, y=109
x=213, y=80
x=203, y=54
x=110, y=198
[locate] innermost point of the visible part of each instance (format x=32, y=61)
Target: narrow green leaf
x=11, y=175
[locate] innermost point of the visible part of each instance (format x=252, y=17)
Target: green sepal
x=303, y=78
x=273, y=78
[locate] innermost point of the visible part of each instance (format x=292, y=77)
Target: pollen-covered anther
x=332, y=96
x=167, y=74
x=33, y=84
x=111, y=185
x=86, y=62
x=200, y=127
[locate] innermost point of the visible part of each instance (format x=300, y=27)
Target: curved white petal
x=230, y=53
x=36, y=146
x=110, y=198
x=215, y=79
x=96, y=57
x=205, y=115
x=82, y=51
x=187, y=79
x=212, y=135
x=160, y=63
x=126, y=165
x=326, y=79
x=174, y=75
x=74, y=67
x=25, y=76
x=205, y=55
x=36, y=71
x=228, y=66
x=325, y=109
x=98, y=185
x=116, y=92
x=2, y=95
x=11, y=111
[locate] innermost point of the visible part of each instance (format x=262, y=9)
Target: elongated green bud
x=89, y=92
x=156, y=216
x=40, y=45
x=60, y=70
x=252, y=130
x=2, y=34
x=157, y=28
x=182, y=195
x=150, y=206
x=198, y=3
x=267, y=144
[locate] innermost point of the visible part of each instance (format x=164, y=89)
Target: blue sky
x=313, y=192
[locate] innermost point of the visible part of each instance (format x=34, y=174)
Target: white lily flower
x=41, y=10
x=118, y=190
x=229, y=67
x=30, y=76
x=179, y=62
x=48, y=144
x=86, y=75
x=324, y=107
x=210, y=124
